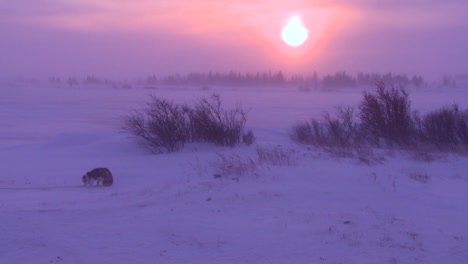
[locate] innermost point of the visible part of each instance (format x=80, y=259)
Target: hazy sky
x=134, y=38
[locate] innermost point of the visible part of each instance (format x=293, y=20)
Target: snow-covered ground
x=170, y=209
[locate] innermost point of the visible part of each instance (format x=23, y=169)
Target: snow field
x=170, y=209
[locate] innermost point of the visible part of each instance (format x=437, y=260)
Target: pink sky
x=134, y=38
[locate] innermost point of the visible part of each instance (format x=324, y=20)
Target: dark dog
x=99, y=176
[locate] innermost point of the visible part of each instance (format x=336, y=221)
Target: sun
x=294, y=33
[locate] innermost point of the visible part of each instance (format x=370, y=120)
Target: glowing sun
x=294, y=33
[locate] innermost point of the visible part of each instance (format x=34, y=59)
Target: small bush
x=210, y=123
x=160, y=126
x=446, y=128
x=248, y=137
x=233, y=165
x=277, y=156
x=163, y=126
x=342, y=130
x=424, y=156
x=421, y=177
x=386, y=114
x=338, y=131
x=309, y=133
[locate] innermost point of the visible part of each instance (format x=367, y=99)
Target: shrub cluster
x=275, y=155
x=386, y=114
x=210, y=123
x=446, y=128
x=339, y=130
x=234, y=165
x=385, y=118
x=163, y=126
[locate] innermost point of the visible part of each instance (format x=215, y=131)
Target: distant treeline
x=313, y=81
x=337, y=80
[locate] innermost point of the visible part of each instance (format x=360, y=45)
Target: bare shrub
x=163, y=126
x=446, y=128
x=424, y=156
x=386, y=114
x=310, y=133
x=199, y=167
x=338, y=131
x=233, y=165
x=421, y=177
x=366, y=155
x=248, y=137
x=210, y=123
x=277, y=156
x=160, y=126
x=341, y=129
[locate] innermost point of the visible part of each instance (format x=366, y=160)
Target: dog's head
x=86, y=178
